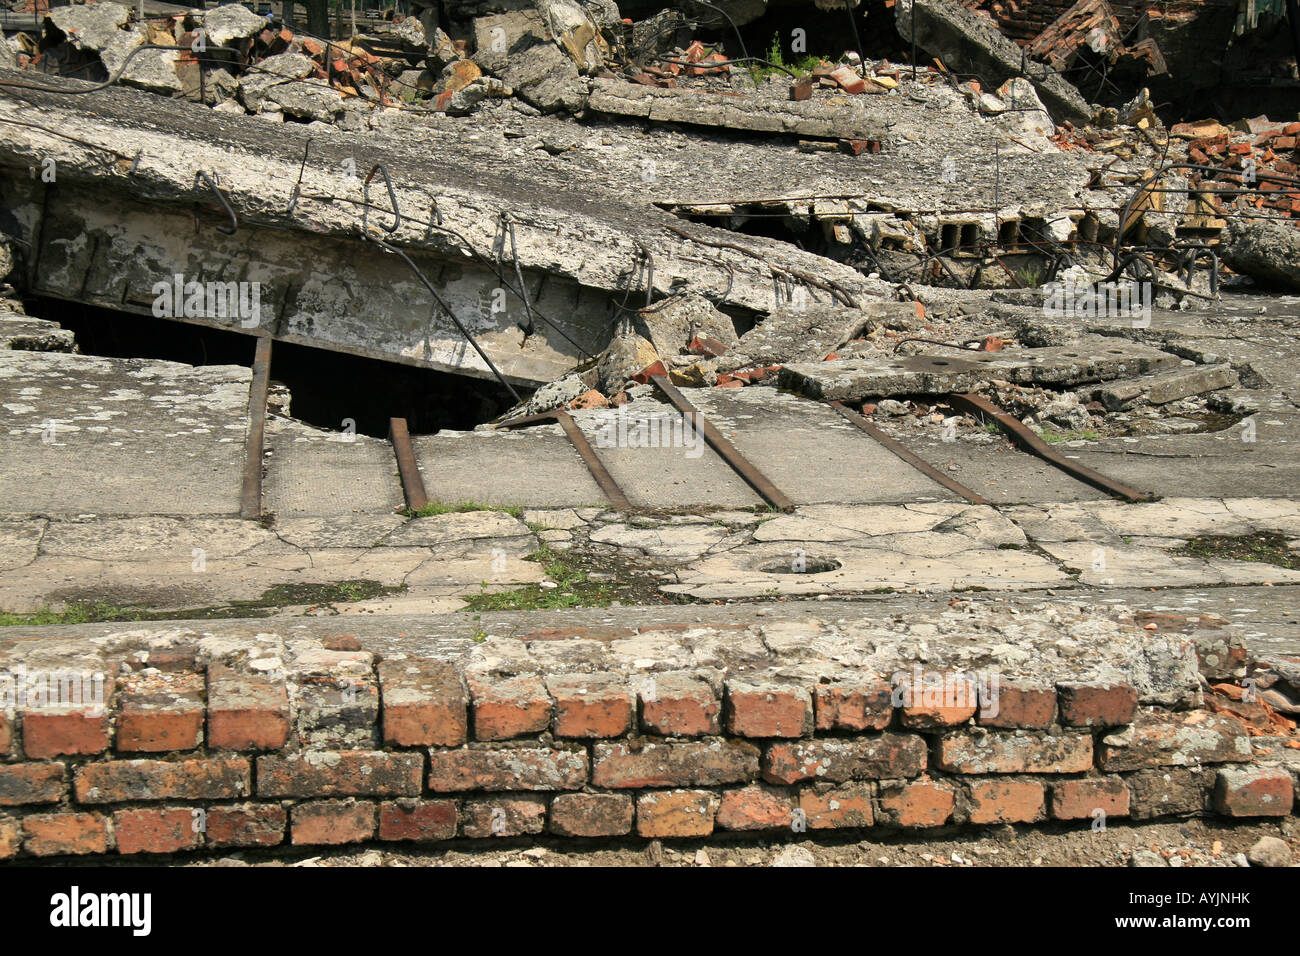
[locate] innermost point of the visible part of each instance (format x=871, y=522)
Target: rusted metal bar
x=597, y=467
x=1027, y=441
x=920, y=464
x=608, y=486
x=250, y=496
x=407, y=467
x=729, y=453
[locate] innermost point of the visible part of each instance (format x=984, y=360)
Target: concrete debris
x=1165, y=387
x=1266, y=250
x=231, y=21
x=90, y=26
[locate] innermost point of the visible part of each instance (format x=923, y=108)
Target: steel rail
x=408, y=468
x=250, y=496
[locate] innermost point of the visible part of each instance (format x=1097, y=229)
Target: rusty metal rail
x=408, y=469
x=250, y=497
x=902, y=452
x=608, y=486
x=1027, y=441
x=728, y=452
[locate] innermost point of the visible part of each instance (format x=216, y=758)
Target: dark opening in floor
x=326, y=387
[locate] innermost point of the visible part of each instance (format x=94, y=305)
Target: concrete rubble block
x=1268, y=251
x=273, y=71
x=671, y=325
x=152, y=70
x=514, y=48
x=1085, y=361
x=24, y=334
x=626, y=355
x=307, y=100
x=90, y=26
x=231, y=21
x=1164, y=387
x=791, y=334
x=969, y=43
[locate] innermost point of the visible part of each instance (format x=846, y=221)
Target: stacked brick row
x=413, y=750
x=1265, y=148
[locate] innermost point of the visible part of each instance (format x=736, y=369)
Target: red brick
x=246, y=711
x=1097, y=704
x=591, y=705
x=345, y=773
x=1078, y=799
x=931, y=701
x=838, y=760
x=506, y=816
x=201, y=779
x=1004, y=800
x=678, y=705
x=1160, y=739
x=22, y=783
x=837, y=807
x=54, y=733
x=161, y=712
x=854, y=705
x=11, y=837
x=1020, y=705
x=1006, y=751
x=158, y=830
x=525, y=768
x=592, y=814
x=1254, y=792
x=849, y=80
x=6, y=735
x=425, y=703
x=65, y=834
x=509, y=708
x=755, y=808
x=644, y=763
x=249, y=824
x=918, y=803
x=768, y=709
x=331, y=822
x=675, y=813
x=420, y=821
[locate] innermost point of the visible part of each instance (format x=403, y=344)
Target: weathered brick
x=425, y=703
x=522, y=768
x=420, y=821
x=211, y=778
x=31, y=783
x=348, y=773
x=1254, y=792
x=157, y=830
x=161, y=712
x=918, y=803
x=64, y=732
x=337, y=700
x=830, y=808
x=248, y=824
x=246, y=710
x=674, y=763
x=1020, y=705
x=755, y=808
x=1097, y=703
x=591, y=705
x=1169, y=792
x=837, y=761
x=768, y=709
x=506, y=816
x=331, y=822
x=1004, y=800
x=675, y=813
x=592, y=814
x=1014, y=751
x=935, y=700
x=65, y=834
x=854, y=705
x=11, y=837
x=680, y=705
x=1175, y=740
x=6, y=735
x=509, y=708
x=1079, y=799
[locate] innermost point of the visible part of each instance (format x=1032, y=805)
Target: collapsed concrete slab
x=1164, y=387
x=1090, y=360
x=1266, y=250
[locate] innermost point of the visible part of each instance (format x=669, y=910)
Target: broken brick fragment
x=848, y=80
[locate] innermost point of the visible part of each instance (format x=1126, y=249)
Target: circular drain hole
x=806, y=565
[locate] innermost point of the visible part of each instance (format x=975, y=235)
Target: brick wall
x=410, y=750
